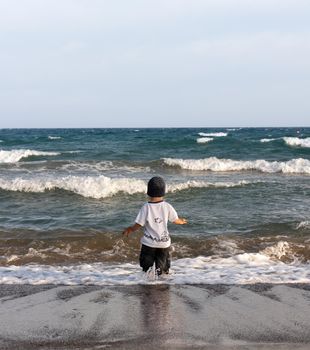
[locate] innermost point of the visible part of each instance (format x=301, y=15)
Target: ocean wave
x=86, y=186
x=54, y=137
x=291, y=141
x=204, y=139
x=16, y=155
x=279, y=250
x=295, y=141
x=268, y=140
x=63, y=246
x=213, y=134
x=240, y=269
x=303, y=225
x=73, y=152
x=294, y=166
x=101, y=186
x=204, y=184
x=105, y=165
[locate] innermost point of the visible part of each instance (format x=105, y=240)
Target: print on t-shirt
x=154, y=217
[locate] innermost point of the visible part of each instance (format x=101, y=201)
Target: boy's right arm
x=131, y=229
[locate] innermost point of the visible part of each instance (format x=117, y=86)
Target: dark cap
x=156, y=187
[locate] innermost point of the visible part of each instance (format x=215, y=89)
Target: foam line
x=213, y=134
x=295, y=141
x=204, y=139
x=16, y=155
x=239, y=269
x=101, y=186
x=294, y=166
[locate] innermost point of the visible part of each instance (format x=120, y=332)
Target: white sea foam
x=267, y=140
x=295, y=141
x=278, y=250
x=100, y=186
x=73, y=152
x=303, y=225
x=224, y=247
x=297, y=166
x=238, y=269
x=291, y=141
x=105, y=165
x=86, y=186
x=204, y=184
x=16, y=155
x=213, y=134
x=204, y=139
x=54, y=137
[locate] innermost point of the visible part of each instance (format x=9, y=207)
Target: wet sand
x=257, y=316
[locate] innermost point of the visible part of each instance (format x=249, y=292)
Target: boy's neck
x=156, y=199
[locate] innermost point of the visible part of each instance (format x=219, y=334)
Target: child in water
x=154, y=216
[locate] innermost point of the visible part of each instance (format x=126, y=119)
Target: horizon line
x=158, y=127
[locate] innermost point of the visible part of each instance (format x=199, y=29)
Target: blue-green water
x=74, y=190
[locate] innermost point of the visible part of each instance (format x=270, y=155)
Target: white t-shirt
x=154, y=217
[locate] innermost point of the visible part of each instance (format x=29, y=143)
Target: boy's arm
x=131, y=229
x=180, y=221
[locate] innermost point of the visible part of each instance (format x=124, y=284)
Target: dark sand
x=259, y=316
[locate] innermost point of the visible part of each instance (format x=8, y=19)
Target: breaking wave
x=16, y=155
x=105, y=165
x=233, y=261
x=267, y=140
x=204, y=184
x=294, y=166
x=54, y=137
x=303, y=225
x=240, y=269
x=101, y=186
x=86, y=186
x=213, y=134
x=204, y=139
x=291, y=141
x=295, y=141
x=61, y=246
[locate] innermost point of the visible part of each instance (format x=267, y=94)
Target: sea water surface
x=67, y=194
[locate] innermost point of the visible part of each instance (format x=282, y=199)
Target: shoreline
x=251, y=316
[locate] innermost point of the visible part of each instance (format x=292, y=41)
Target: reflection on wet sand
x=155, y=309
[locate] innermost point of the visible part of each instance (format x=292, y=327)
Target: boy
x=154, y=216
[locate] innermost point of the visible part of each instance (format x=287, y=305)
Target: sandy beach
x=257, y=316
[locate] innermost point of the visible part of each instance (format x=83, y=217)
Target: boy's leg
x=162, y=260
x=147, y=257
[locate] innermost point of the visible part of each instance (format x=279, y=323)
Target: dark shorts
x=161, y=257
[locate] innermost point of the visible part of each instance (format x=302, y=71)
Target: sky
x=163, y=63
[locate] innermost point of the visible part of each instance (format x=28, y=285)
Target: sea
x=66, y=195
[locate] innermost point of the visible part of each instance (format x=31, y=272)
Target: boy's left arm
x=180, y=221
x=131, y=229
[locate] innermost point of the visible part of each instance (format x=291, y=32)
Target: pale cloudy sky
x=145, y=63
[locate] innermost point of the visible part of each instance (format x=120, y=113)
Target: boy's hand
x=131, y=229
x=127, y=231
x=180, y=221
